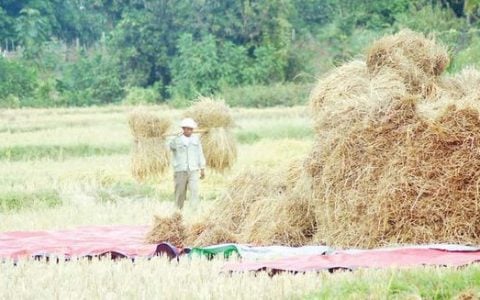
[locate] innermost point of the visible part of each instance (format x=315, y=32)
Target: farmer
x=188, y=163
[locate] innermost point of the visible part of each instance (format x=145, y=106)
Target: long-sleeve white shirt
x=187, y=153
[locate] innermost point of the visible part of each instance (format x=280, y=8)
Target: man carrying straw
x=188, y=163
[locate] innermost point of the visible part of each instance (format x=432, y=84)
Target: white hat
x=188, y=123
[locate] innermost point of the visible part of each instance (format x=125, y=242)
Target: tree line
x=94, y=52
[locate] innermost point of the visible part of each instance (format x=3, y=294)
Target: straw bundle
x=353, y=75
x=210, y=113
x=357, y=98
x=218, y=141
x=167, y=229
x=150, y=154
x=146, y=125
x=468, y=82
x=416, y=59
x=150, y=158
x=219, y=148
x=460, y=90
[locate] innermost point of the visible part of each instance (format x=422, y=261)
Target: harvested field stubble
x=395, y=160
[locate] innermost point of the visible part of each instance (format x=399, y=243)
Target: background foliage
x=254, y=52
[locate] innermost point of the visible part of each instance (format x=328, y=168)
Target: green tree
x=32, y=31
x=197, y=69
x=470, y=8
x=92, y=80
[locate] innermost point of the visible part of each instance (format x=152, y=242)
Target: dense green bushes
x=18, y=82
x=288, y=94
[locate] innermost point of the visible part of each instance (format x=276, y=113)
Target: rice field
x=63, y=168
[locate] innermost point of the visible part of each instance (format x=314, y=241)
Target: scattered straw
x=167, y=229
x=215, y=235
x=264, y=207
x=193, y=231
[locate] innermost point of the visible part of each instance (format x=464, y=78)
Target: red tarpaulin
x=382, y=258
x=122, y=241
x=128, y=241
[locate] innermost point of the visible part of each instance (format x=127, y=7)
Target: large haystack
x=150, y=154
x=218, y=141
x=401, y=179
x=408, y=170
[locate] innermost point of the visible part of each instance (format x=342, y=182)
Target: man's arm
x=202, y=161
x=173, y=144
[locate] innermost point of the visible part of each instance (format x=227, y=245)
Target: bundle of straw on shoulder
x=150, y=155
x=215, y=120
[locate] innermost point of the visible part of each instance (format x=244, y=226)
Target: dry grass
x=202, y=279
x=188, y=279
